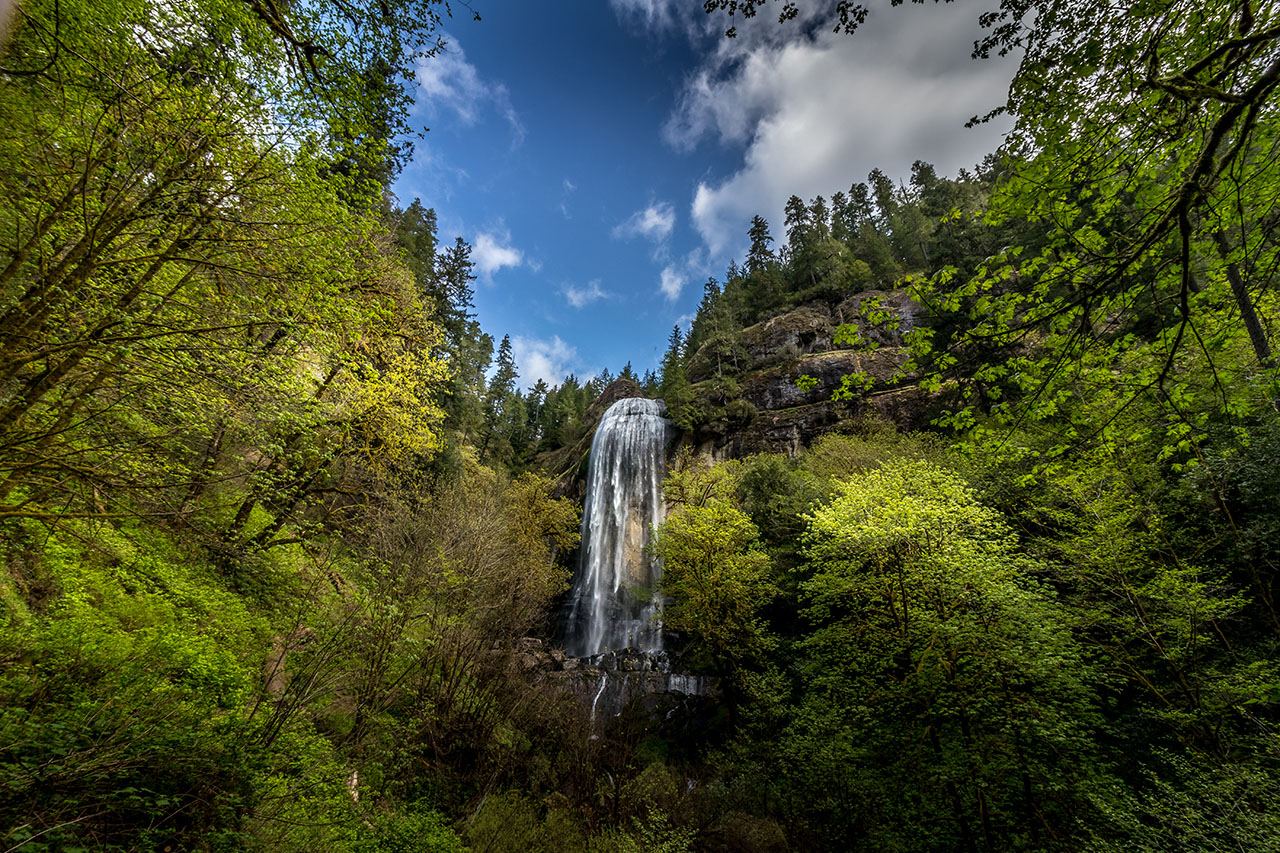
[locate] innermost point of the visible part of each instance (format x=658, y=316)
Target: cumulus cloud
x=671, y=283
x=492, y=252
x=448, y=82
x=653, y=222
x=548, y=360
x=580, y=297
x=814, y=111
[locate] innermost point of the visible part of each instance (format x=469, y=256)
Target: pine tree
x=799, y=228
x=502, y=387
x=467, y=348
x=674, y=384
x=415, y=232
x=700, y=330
x=673, y=360
x=759, y=255
x=454, y=272
x=534, y=404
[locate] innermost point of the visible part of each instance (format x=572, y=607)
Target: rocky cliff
x=795, y=367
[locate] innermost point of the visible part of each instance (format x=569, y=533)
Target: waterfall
x=615, y=602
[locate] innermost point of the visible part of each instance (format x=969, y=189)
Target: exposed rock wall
x=796, y=367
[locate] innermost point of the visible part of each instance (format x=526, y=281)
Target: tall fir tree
x=498, y=405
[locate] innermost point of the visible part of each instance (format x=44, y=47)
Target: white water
x=615, y=603
x=604, y=679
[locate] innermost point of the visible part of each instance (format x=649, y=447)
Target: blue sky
x=603, y=157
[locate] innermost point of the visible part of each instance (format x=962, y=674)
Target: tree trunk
x=1257, y=335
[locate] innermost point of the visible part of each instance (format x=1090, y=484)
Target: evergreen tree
x=840, y=217
x=466, y=347
x=700, y=329
x=415, y=232
x=454, y=272
x=866, y=238
x=819, y=218
x=534, y=404
x=799, y=228
x=673, y=362
x=498, y=404
x=759, y=255
x=722, y=342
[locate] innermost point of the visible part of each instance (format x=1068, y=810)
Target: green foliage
x=236, y=612
x=837, y=457
x=190, y=297
x=123, y=698
x=717, y=577
x=408, y=832
x=1189, y=804
x=717, y=580
x=510, y=823
x=935, y=656
x=654, y=833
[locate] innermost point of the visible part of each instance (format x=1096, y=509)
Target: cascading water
x=615, y=603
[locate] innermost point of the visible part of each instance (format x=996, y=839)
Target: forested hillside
x=283, y=542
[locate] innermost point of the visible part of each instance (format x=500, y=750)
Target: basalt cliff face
x=794, y=367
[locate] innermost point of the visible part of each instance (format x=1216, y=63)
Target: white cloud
x=652, y=14
x=662, y=16
x=541, y=359
x=815, y=111
x=447, y=81
x=653, y=222
x=492, y=252
x=672, y=282
x=580, y=297
x=568, y=188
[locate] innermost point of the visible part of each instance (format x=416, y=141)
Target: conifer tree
x=673, y=361
x=799, y=228
x=416, y=234
x=759, y=255
x=674, y=386
x=700, y=329
x=502, y=387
